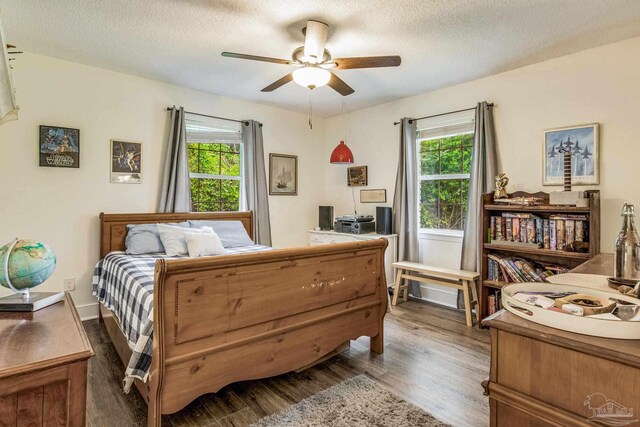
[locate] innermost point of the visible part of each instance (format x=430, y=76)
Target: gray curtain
x=175, y=195
x=405, y=198
x=483, y=171
x=257, y=197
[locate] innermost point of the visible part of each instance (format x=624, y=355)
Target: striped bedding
x=124, y=284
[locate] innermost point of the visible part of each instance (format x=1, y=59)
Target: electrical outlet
x=70, y=284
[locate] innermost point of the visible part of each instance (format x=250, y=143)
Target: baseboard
x=438, y=295
x=87, y=311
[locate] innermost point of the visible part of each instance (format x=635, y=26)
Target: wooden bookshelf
x=558, y=257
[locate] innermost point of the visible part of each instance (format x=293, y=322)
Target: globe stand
x=22, y=299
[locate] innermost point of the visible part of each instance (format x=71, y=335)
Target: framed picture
x=59, y=147
x=283, y=175
x=373, y=196
x=126, y=162
x=357, y=176
x=582, y=142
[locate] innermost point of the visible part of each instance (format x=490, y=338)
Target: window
x=444, y=156
x=215, y=165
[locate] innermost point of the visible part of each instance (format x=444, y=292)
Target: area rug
x=356, y=402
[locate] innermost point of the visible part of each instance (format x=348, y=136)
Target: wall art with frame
x=59, y=147
x=582, y=143
x=283, y=175
x=126, y=161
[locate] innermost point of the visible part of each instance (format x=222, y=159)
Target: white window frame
x=441, y=122
x=216, y=126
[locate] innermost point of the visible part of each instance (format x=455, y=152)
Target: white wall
x=61, y=206
x=597, y=85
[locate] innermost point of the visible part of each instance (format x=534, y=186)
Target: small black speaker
x=384, y=220
x=325, y=218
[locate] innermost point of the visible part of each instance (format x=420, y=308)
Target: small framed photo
x=283, y=175
x=126, y=162
x=583, y=145
x=357, y=176
x=373, y=196
x=59, y=147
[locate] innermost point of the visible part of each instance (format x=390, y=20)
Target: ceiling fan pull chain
x=310, y=111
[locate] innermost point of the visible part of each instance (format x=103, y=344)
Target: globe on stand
x=25, y=264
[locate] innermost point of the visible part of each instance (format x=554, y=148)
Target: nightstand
x=43, y=367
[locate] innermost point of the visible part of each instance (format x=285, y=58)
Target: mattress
x=124, y=285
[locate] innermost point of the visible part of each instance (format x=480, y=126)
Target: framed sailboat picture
x=283, y=175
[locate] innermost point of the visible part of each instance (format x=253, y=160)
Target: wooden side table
x=43, y=367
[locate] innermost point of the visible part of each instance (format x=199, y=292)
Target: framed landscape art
x=59, y=147
x=582, y=143
x=126, y=162
x=283, y=175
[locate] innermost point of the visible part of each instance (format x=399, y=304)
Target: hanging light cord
x=353, y=196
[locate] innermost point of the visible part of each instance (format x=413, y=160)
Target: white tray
x=607, y=326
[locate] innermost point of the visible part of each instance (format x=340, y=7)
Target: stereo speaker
x=325, y=219
x=384, y=220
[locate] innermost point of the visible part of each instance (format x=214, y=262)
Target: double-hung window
x=215, y=164
x=444, y=157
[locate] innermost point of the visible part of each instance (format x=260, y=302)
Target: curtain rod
x=213, y=117
x=442, y=114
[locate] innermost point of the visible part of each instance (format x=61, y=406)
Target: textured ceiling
x=442, y=42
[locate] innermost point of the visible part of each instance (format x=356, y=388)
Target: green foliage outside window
x=443, y=200
x=220, y=193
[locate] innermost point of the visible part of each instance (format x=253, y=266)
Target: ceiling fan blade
x=367, y=62
x=256, y=58
x=314, y=41
x=337, y=84
x=280, y=82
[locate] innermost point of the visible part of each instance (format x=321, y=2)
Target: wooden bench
x=458, y=279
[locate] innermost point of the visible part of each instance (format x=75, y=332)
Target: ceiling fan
x=314, y=62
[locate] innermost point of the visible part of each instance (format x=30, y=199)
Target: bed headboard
x=113, y=227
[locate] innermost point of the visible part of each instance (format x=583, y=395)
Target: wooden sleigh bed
x=219, y=320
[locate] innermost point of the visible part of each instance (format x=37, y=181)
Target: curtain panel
x=255, y=181
x=483, y=171
x=405, y=198
x=175, y=193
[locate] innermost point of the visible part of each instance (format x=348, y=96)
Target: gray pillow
x=231, y=233
x=145, y=238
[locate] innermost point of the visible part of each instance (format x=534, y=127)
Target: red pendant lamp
x=341, y=155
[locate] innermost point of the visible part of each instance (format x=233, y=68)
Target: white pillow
x=203, y=244
x=173, y=239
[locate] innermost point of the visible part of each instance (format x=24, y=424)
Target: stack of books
x=525, y=229
x=518, y=270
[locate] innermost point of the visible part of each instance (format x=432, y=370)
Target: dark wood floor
x=431, y=359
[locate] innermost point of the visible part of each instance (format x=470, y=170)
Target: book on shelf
x=579, y=231
x=494, y=303
x=553, y=233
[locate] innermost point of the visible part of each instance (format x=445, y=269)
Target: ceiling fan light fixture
x=311, y=77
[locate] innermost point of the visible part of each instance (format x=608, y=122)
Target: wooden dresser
x=43, y=367
x=542, y=376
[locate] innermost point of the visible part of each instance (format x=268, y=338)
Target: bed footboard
x=231, y=318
